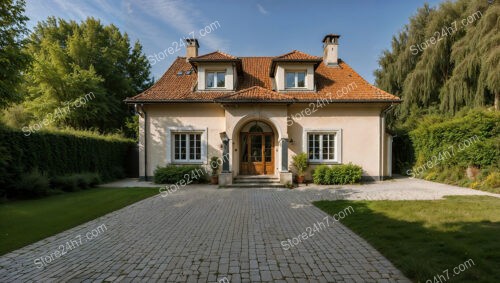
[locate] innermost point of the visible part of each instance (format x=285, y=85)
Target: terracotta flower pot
x=300, y=179
x=214, y=180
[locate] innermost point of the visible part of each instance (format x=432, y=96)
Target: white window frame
x=296, y=75
x=338, y=145
x=187, y=145
x=215, y=79
x=171, y=131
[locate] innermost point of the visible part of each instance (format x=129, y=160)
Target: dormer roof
x=294, y=56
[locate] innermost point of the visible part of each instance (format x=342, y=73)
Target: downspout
x=382, y=141
x=143, y=114
x=145, y=143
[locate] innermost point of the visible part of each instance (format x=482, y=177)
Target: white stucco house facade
x=255, y=113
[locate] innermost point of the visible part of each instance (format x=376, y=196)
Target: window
x=321, y=146
x=295, y=79
x=216, y=79
x=187, y=146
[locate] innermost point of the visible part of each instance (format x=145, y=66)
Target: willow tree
x=439, y=63
x=476, y=56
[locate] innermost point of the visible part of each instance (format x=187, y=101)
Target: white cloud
x=261, y=9
x=183, y=17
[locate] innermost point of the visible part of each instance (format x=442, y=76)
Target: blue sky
x=246, y=28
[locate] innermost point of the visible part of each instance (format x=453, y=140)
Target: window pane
x=210, y=80
x=221, y=79
x=176, y=147
x=244, y=149
x=182, y=146
x=192, y=148
x=290, y=80
x=331, y=147
x=198, y=147
x=301, y=79
x=325, y=147
x=268, y=148
x=310, y=145
x=316, y=147
x=256, y=148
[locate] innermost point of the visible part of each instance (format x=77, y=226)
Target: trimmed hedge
x=337, y=174
x=172, y=174
x=444, y=149
x=56, y=154
x=473, y=139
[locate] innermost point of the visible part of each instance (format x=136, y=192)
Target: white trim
x=338, y=144
x=204, y=144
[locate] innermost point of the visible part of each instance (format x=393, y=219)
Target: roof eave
x=158, y=101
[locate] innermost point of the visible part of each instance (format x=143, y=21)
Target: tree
x=88, y=63
x=444, y=60
x=13, y=60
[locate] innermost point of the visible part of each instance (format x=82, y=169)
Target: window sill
x=326, y=162
x=298, y=90
x=180, y=162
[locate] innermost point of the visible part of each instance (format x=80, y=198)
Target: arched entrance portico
x=257, y=144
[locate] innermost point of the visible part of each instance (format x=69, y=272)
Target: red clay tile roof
x=214, y=56
x=255, y=94
x=296, y=55
x=338, y=84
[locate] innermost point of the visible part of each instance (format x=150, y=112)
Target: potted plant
x=214, y=165
x=300, y=163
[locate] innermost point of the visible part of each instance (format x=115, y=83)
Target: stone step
x=257, y=185
x=256, y=180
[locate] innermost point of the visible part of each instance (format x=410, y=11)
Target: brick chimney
x=331, y=50
x=191, y=47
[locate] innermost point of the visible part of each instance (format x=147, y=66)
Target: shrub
x=337, y=174
x=94, y=179
x=300, y=163
x=172, y=174
x=73, y=182
x=33, y=184
x=319, y=174
x=215, y=165
x=68, y=183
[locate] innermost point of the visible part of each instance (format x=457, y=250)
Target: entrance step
x=257, y=181
x=256, y=185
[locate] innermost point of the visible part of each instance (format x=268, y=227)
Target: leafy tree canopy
x=445, y=59
x=13, y=59
x=81, y=73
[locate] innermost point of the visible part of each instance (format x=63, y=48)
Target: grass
x=27, y=221
x=425, y=238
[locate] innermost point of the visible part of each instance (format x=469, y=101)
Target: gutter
x=150, y=101
x=144, y=114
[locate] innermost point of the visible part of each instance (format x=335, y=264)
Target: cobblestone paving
x=203, y=234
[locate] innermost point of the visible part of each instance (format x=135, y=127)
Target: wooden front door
x=257, y=156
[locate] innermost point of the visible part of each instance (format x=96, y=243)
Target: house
x=257, y=112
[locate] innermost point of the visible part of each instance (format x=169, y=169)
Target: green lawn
x=425, y=238
x=27, y=221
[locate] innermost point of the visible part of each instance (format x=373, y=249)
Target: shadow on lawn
x=421, y=252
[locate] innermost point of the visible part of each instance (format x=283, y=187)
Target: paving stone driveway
x=204, y=234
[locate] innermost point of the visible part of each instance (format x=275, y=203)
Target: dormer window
x=216, y=79
x=296, y=79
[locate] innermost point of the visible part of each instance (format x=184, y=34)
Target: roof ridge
x=296, y=51
x=215, y=52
